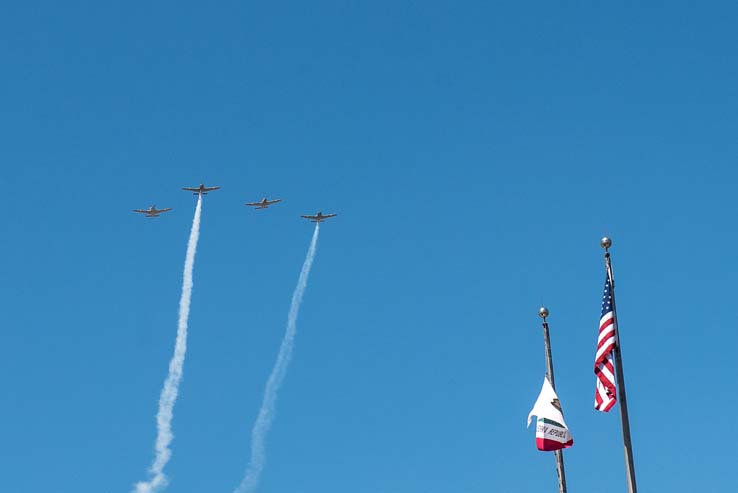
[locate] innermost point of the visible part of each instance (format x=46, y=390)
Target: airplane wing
x=140, y=211
x=164, y=210
x=310, y=217
x=270, y=202
x=191, y=189
x=326, y=216
x=253, y=204
x=210, y=189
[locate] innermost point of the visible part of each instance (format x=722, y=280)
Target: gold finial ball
x=605, y=242
x=543, y=312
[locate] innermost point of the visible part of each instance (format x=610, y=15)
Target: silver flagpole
x=558, y=454
x=606, y=243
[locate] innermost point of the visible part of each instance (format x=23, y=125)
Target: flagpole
x=606, y=243
x=558, y=454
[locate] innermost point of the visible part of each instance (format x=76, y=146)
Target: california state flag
x=551, y=430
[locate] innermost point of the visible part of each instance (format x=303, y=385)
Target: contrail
x=266, y=413
x=170, y=390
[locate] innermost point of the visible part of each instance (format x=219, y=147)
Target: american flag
x=603, y=368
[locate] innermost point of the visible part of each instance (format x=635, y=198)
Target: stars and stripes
x=603, y=368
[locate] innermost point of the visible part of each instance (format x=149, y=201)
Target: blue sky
x=475, y=153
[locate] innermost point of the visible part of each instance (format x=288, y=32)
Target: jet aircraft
x=319, y=217
x=201, y=190
x=264, y=203
x=152, y=211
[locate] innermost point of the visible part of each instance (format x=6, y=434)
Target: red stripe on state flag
x=547, y=445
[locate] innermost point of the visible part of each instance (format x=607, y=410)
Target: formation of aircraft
x=263, y=203
x=319, y=217
x=201, y=190
x=152, y=211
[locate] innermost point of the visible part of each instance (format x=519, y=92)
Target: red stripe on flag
x=606, y=323
x=546, y=445
x=608, y=406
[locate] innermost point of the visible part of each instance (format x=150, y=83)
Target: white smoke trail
x=170, y=390
x=266, y=413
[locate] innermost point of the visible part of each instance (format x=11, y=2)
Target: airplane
x=264, y=203
x=201, y=190
x=319, y=217
x=152, y=211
